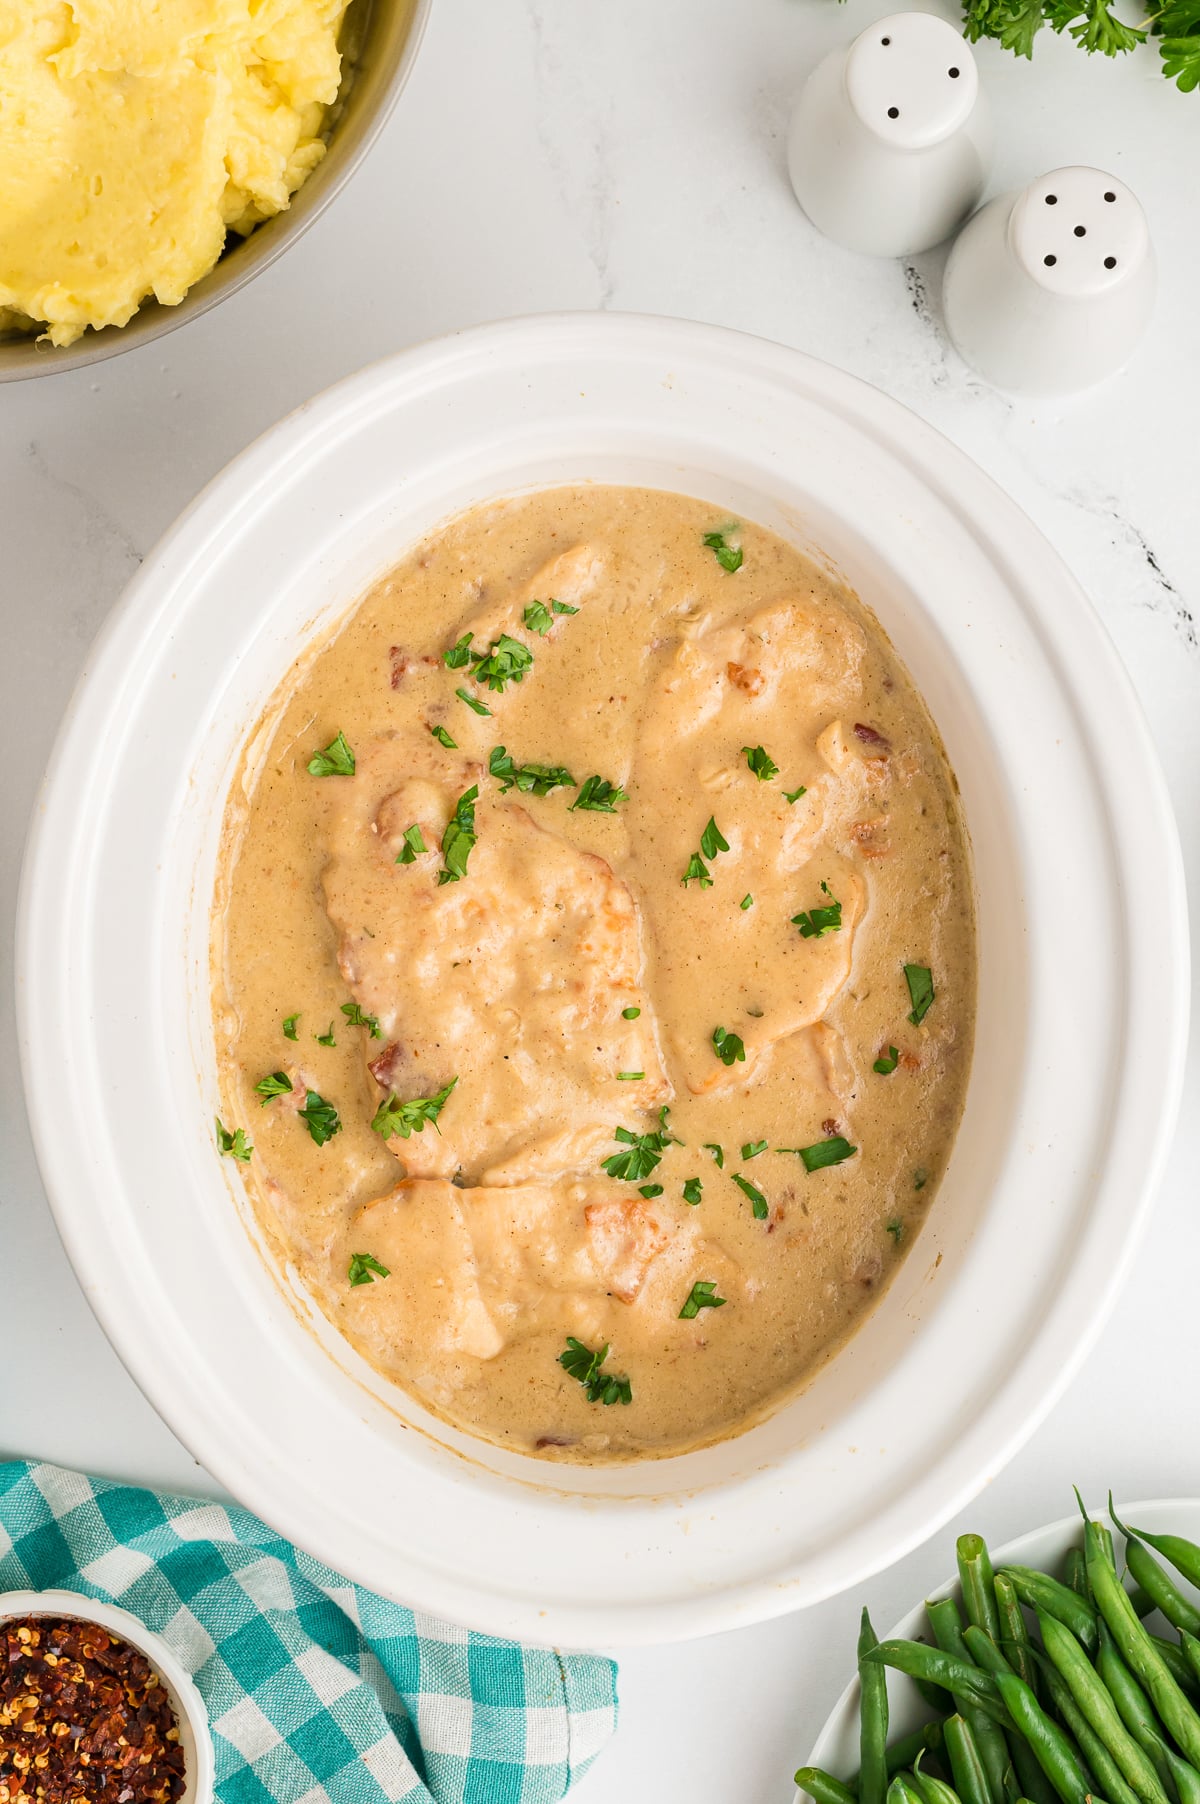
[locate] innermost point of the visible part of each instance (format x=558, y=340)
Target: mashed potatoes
x=134, y=133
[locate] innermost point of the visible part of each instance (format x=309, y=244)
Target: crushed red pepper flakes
x=84, y=1719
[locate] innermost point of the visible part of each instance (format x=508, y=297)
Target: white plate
x=1081, y=1018
x=1045, y=1548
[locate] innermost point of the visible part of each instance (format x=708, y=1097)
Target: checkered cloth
x=318, y=1692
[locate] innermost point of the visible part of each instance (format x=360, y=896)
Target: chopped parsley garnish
x=896, y=1229
x=539, y=618
x=752, y=1149
x=702, y=1296
x=459, y=837
x=600, y=796
x=476, y=707
x=697, y=872
x=650, y=1190
x=887, y=1061
x=747, y=901
x=824, y=1152
x=530, y=779
x=761, y=762
x=405, y=1116
x=712, y=840
x=278, y=1084
x=728, y=556
x=758, y=1201
x=920, y=1178
x=414, y=845
x=235, y=1145
x=718, y=1153
x=729, y=1048
x=630, y=1014
x=319, y=1117
x=505, y=661
x=584, y=1365
x=337, y=760
x=630, y=1077
x=919, y=979
x=326, y=1039
x=459, y=655
x=562, y=607
x=645, y=1151
x=365, y=1268
x=793, y=795
x=815, y=923
x=289, y=1027
x=692, y=1191
x=443, y=738
x=356, y=1018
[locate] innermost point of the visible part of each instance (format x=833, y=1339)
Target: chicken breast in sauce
x=594, y=971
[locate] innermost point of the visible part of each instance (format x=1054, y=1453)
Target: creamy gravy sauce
x=503, y=1234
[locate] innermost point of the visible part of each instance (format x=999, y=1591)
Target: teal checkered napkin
x=318, y=1692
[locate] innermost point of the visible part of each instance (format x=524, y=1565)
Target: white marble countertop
x=550, y=155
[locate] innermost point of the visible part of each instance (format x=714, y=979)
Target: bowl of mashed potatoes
x=434, y=1001
x=152, y=160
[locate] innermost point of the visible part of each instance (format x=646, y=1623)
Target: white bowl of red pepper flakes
x=95, y=1708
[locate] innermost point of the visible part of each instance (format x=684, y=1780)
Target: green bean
x=1183, y=1555
x=1142, y=1602
x=934, y=1696
x=930, y=1790
x=1054, y=1753
x=925, y=1740
x=1186, y=1778
x=822, y=1787
x=1045, y=1593
x=1103, y=1767
x=903, y=1791
x=1014, y=1636
x=962, y=1751
x=977, y=1580
x=1075, y=1576
x=1191, y=1652
x=1176, y=1663
x=1103, y=1718
x=1139, y=1649
x=1134, y=1707
x=1033, y=1782
x=1158, y=1584
x=993, y=1749
x=957, y=1676
x=873, y=1719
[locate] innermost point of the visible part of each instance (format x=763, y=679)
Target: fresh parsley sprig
x=337, y=760
x=822, y=1153
x=233, y=1145
x=530, y=779
x=414, y=845
x=365, y=1268
x=761, y=762
x=584, y=1366
x=355, y=1016
x=919, y=979
x=600, y=796
x=277, y=1084
x=645, y=1150
x=319, y=1117
x=729, y=1048
x=538, y=618
x=703, y=1295
x=815, y=923
x=459, y=838
x=728, y=556
x=1014, y=24
x=404, y=1116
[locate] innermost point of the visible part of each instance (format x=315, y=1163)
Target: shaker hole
x=1081, y=231
x=1110, y=263
x=1050, y=261
x=1110, y=197
x=893, y=112
x=954, y=75
x=1052, y=200
x=885, y=40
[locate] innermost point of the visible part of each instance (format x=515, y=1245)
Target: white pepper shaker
x=1047, y=291
x=890, y=141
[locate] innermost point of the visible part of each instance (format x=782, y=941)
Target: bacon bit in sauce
x=385, y=1068
x=869, y=736
x=831, y=1126
x=552, y=1440
x=83, y=1717
x=750, y=682
x=405, y=662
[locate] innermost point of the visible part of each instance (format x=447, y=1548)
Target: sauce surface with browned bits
x=83, y=1716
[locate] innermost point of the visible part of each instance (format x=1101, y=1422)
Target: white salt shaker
x=1049, y=290
x=890, y=142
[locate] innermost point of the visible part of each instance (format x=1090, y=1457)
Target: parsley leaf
x=326, y=1039
x=365, y=1268
x=697, y=872
x=630, y=1014
x=630, y=1077
x=443, y=738
x=584, y=1365
x=530, y=779
x=712, y=840
x=815, y=923
x=887, y=1061
x=459, y=837
x=561, y=607
x=761, y=762
x=337, y=760
x=919, y=979
x=459, y=655
x=278, y=1084
x=718, y=1153
x=396, y=1115
x=758, y=1201
x=356, y=1018
x=600, y=796
x=645, y=1151
x=920, y=1178
x=235, y=1145
x=729, y=1048
x=746, y=902
x=650, y=1190
x=692, y=1191
x=414, y=844
x=476, y=707
x=702, y=1296
x=505, y=661
x=895, y=1228
x=752, y=1149
x=319, y=1117
x=538, y=618
x=793, y=795
x=289, y=1027
x=728, y=556
x=824, y=1152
